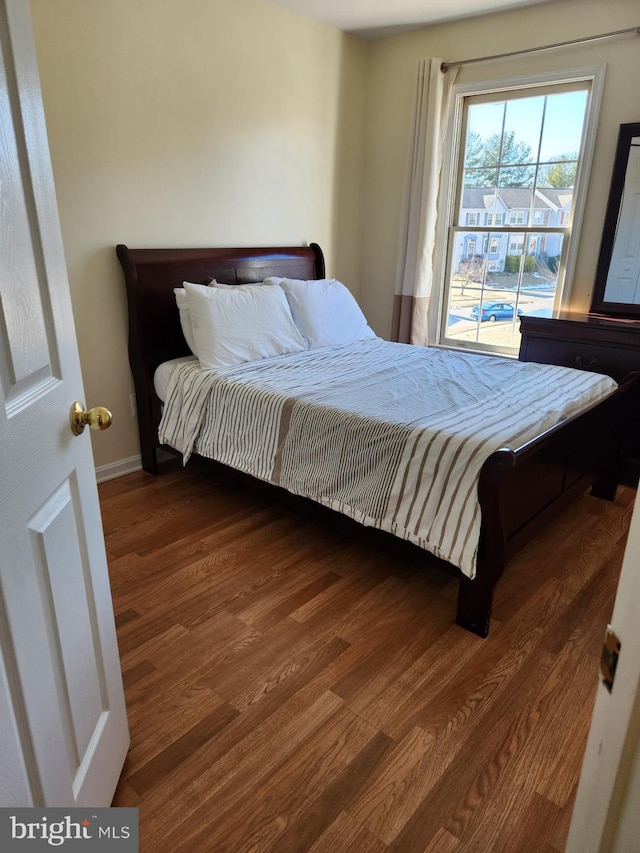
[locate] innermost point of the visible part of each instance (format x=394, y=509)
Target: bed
x=517, y=488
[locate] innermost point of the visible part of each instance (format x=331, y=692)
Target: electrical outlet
x=132, y=402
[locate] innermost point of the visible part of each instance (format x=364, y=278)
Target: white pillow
x=232, y=325
x=182, y=302
x=325, y=311
x=185, y=317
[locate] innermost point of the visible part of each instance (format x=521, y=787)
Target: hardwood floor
x=296, y=682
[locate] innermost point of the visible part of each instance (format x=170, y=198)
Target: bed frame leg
x=149, y=459
x=619, y=450
x=606, y=484
x=474, y=607
x=605, y=488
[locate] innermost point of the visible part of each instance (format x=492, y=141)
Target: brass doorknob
x=96, y=418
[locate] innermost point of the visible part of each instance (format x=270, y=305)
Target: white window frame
x=594, y=74
x=472, y=219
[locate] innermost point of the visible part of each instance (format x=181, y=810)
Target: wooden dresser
x=589, y=342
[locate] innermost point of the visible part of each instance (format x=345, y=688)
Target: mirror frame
x=598, y=303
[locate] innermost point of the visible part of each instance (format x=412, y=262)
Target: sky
x=560, y=120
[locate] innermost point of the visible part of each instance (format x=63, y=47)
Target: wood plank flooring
x=296, y=682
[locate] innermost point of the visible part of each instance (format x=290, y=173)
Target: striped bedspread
x=391, y=435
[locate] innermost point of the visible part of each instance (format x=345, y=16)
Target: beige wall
x=211, y=122
x=390, y=84
x=192, y=123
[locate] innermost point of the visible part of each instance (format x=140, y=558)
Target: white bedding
x=389, y=434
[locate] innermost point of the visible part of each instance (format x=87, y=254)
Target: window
x=524, y=148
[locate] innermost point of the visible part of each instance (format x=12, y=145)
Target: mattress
x=162, y=375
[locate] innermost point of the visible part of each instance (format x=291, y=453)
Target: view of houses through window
x=518, y=162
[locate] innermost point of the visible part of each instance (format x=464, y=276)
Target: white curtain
x=420, y=202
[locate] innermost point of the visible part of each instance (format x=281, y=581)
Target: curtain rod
x=445, y=65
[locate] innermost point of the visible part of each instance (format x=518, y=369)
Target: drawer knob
x=585, y=364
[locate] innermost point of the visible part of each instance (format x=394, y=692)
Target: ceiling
x=371, y=18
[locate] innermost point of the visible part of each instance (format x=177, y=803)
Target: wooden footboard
x=521, y=490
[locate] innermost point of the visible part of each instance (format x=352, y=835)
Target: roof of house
x=557, y=197
x=514, y=198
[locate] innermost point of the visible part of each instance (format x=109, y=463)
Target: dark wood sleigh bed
x=519, y=489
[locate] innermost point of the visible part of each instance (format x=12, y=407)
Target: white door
x=63, y=727
x=623, y=279
x=606, y=815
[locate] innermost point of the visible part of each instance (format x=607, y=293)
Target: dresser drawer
x=590, y=343
x=598, y=358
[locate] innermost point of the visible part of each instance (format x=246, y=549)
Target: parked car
x=495, y=311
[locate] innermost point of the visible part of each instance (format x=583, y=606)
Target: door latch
x=609, y=659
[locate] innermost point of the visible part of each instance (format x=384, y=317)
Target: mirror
x=617, y=284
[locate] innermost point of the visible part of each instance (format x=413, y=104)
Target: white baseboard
x=118, y=469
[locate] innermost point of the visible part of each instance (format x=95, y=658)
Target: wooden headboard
x=154, y=326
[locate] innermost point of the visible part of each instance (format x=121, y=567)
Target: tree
x=561, y=174
x=471, y=270
x=483, y=156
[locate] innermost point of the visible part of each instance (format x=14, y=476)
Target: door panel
x=63, y=579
